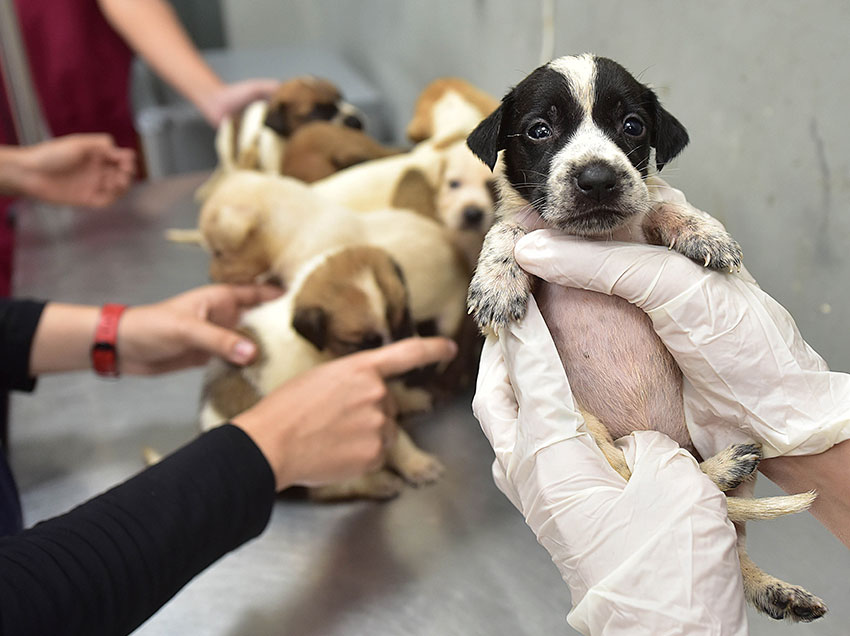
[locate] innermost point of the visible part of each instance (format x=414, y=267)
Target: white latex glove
x=653, y=556
x=748, y=372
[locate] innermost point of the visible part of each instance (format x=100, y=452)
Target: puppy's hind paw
x=733, y=465
x=784, y=601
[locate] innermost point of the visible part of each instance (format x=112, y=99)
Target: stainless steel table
x=450, y=559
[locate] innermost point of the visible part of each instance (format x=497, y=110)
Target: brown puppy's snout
x=597, y=180
x=353, y=121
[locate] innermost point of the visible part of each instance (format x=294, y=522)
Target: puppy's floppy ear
x=231, y=224
x=487, y=139
x=669, y=136
x=278, y=119
x=312, y=324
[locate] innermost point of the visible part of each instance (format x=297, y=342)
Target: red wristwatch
x=104, y=355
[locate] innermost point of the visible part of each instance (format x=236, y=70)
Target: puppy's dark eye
x=454, y=183
x=633, y=126
x=539, y=131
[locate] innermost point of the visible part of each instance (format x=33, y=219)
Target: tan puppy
x=447, y=108
x=319, y=149
x=340, y=302
x=445, y=183
x=257, y=224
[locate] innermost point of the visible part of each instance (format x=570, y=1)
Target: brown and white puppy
x=448, y=107
x=319, y=149
x=256, y=224
x=576, y=138
x=256, y=138
x=341, y=302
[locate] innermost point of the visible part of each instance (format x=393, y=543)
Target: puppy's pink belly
x=618, y=368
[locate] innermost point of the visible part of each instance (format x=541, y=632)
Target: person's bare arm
x=152, y=29
x=828, y=473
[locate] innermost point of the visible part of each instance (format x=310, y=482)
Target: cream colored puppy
x=257, y=224
x=340, y=302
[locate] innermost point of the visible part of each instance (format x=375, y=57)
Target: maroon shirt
x=81, y=69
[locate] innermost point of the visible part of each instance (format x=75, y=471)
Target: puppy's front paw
x=496, y=300
x=499, y=291
x=784, y=601
x=710, y=247
x=733, y=465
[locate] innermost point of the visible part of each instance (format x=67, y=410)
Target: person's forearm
x=829, y=474
x=13, y=172
x=63, y=338
x=153, y=30
x=108, y=565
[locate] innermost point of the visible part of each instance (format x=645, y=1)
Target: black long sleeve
x=18, y=322
x=109, y=564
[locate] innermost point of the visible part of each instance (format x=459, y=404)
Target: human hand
x=654, y=555
x=336, y=420
x=227, y=99
x=85, y=169
x=185, y=330
x=748, y=372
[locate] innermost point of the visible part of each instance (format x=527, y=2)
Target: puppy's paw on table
x=419, y=468
x=381, y=484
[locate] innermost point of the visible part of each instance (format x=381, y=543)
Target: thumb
x=648, y=276
x=224, y=343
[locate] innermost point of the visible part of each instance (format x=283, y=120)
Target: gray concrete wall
x=761, y=86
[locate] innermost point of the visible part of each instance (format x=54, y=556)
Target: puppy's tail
x=746, y=509
x=151, y=456
x=190, y=237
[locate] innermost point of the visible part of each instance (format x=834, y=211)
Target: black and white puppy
x=577, y=139
x=578, y=136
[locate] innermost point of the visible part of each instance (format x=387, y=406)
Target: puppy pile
x=573, y=142
x=368, y=255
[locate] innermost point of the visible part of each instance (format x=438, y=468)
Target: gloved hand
x=653, y=556
x=748, y=372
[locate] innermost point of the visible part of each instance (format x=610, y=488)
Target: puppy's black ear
x=669, y=136
x=312, y=324
x=277, y=120
x=487, y=140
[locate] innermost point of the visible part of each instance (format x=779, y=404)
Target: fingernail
x=244, y=351
x=453, y=347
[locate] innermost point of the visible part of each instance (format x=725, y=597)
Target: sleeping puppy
x=576, y=137
x=256, y=225
x=341, y=302
x=319, y=149
x=256, y=138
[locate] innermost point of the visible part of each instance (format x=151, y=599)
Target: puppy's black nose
x=472, y=216
x=353, y=121
x=598, y=181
